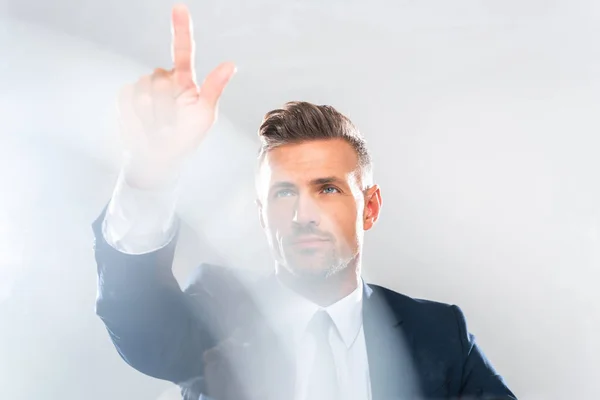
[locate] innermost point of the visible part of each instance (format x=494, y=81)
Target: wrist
x=150, y=175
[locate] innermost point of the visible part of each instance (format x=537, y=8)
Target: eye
x=283, y=193
x=330, y=190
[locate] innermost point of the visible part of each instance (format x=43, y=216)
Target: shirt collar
x=346, y=314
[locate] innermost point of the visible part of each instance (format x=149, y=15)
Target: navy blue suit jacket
x=212, y=340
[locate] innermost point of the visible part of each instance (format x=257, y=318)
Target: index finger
x=182, y=46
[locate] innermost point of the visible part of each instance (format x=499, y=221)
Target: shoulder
x=422, y=314
x=402, y=302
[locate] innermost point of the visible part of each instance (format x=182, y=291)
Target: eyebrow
x=313, y=182
x=326, y=180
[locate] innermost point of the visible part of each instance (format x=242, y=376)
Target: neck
x=320, y=290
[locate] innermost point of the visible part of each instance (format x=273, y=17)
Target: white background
x=482, y=118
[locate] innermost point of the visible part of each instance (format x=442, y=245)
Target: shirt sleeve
x=140, y=221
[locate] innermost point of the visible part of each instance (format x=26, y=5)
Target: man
x=313, y=329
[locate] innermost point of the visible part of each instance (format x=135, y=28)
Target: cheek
x=343, y=220
x=278, y=215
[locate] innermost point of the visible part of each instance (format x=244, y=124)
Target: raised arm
x=163, y=118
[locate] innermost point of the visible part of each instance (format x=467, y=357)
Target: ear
x=260, y=213
x=372, y=207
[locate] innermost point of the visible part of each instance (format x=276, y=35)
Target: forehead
x=310, y=160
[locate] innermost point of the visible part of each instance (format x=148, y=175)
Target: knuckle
x=144, y=80
x=162, y=83
x=161, y=72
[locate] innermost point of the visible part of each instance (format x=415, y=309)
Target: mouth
x=310, y=242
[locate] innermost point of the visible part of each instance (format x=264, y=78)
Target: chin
x=317, y=271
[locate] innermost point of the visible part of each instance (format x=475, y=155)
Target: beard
x=316, y=261
x=314, y=264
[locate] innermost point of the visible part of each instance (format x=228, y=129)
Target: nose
x=306, y=211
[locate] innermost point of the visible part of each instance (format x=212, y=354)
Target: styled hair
x=300, y=121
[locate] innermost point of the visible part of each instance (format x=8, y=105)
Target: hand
x=164, y=116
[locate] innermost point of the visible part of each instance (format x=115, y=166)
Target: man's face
x=312, y=206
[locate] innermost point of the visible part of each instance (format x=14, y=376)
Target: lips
x=310, y=242
x=309, y=239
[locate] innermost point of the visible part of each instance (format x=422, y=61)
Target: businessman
x=310, y=330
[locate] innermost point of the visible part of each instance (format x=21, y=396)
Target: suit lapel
x=388, y=341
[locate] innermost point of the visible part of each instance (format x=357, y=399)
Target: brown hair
x=300, y=121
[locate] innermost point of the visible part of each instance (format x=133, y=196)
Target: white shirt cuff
x=140, y=221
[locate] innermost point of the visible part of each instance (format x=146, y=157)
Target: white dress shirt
x=347, y=342
x=142, y=221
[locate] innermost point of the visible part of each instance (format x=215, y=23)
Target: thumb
x=215, y=82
